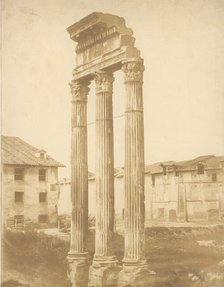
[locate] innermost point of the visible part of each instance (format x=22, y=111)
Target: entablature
x=96, y=23
x=111, y=61
x=103, y=42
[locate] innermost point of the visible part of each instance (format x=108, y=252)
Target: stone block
x=136, y=276
x=78, y=270
x=104, y=274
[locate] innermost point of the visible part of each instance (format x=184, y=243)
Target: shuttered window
x=42, y=174
x=19, y=174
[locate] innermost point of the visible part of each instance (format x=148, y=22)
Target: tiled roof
x=195, y=161
x=209, y=161
x=17, y=152
x=157, y=167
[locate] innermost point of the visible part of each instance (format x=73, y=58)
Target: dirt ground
x=186, y=256
x=181, y=256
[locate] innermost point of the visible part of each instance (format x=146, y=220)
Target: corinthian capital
x=79, y=90
x=104, y=81
x=133, y=70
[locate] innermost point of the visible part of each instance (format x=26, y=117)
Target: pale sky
x=181, y=42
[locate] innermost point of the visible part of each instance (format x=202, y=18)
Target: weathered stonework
x=78, y=256
x=78, y=269
x=103, y=41
x=136, y=276
x=104, y=270
x=104, y=273
x=105, y=45
x=134, y=162
x=135, y=269
x=133, y=71
x=104, y=173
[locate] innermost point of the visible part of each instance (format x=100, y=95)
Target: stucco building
x=190, y=190
x=29, y=189
x=65, y=205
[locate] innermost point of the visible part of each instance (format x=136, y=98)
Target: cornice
x=97, y=21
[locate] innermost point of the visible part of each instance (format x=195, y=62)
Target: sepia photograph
x=112, y=143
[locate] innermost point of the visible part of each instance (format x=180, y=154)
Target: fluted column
x=104, y=270
x=134, y=163
x=104, y=164
x=78, y=255
x=135, y=269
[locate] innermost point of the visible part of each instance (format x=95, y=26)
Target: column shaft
x=79, y=168
x=104, y=165
x=134, y=163
x=104, y=270
x=135, y=269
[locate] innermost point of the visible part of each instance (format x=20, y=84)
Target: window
x=18, y=196
x=53, y=187
x=42, y=155
x=42, y=197
x=214, y=177
x=43, y=218
x=153, y=180
x=42, y=174
x=19, y=174
x=201, y=169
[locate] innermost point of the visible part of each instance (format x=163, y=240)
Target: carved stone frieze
x=104, y=81
x=95, y=39
x=79, y=90
x=133, y=70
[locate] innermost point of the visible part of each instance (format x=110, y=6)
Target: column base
x=78, y=269
x=136, y=274
x=104, y=272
